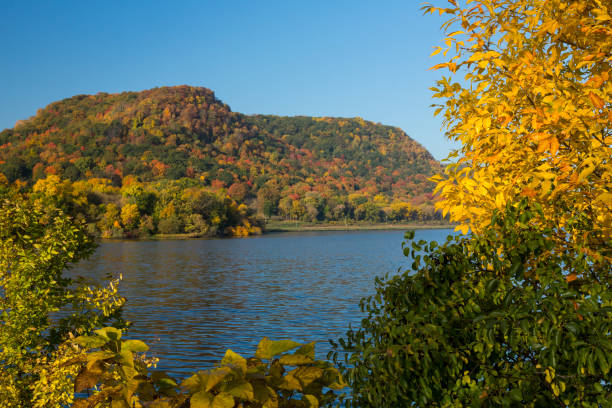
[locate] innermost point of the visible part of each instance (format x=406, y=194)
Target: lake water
x=191, y=300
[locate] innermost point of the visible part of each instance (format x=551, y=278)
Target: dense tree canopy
x=533, y=113
x=165, y=135
x=470, y=326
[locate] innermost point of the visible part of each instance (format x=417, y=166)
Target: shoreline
x=274, y=227
x=282, y=226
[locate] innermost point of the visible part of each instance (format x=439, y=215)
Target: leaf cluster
x=274, y=377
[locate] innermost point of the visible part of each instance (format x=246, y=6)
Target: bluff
x=292, y=167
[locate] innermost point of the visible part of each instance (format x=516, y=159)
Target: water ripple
x=191, y=300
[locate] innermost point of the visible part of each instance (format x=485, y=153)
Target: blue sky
x=319, y=58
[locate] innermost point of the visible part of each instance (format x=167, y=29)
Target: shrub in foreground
x=117, y=376
x=41, y=309
x=501, y=319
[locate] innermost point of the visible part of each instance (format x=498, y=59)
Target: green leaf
x=603, y=362
x=307, y=375
x=516, y=270
x=311, y=401
x=205, y=380
x=276, y=370
x=242, y=390
x=223, y=400
x=94, y=357
x=295, y=359
x=516, y=395
x=165, y=384
x=126, y=358
x=136, y=346
x=127, y=372
x=235, y=360
x=109, y=333
x=290, y=383
x=261, y=392
x=493, y=285
x=91, y=341
x=333, y=379
x=201, y=399
x=161, y=375
x=268, y=349
x=196, y=382
x=572, y=327
x=216, y=376
x=272, y=401
x=307, y=349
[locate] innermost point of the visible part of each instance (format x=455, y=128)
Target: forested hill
x=186, y=134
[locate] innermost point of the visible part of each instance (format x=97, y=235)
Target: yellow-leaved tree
x=519, y=312
x=531, y=108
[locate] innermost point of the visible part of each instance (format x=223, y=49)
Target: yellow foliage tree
x=130, y=216
x=400, y=210
x=168, y=211
x=53, y=186
x=532, y=113
x=110, y=220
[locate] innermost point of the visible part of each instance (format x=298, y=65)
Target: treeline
x=313, y=206
x=186, y=206
x=143, y=209
x=290, y=167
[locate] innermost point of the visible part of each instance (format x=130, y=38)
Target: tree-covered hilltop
x=291, y=167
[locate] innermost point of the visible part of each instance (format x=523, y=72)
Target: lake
x=190, y=300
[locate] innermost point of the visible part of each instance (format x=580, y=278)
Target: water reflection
x=191, y=300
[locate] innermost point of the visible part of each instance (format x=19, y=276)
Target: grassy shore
x=297, y=226
x=293, y=226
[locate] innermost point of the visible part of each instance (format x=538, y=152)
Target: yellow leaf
x=586, y=173
x=463, y=228
x=554, y=145
x=437, y=51
x=438, y=66
x=596, y=100
x=605, y=198
x=499, y=200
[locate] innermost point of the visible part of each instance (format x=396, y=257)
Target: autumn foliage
x=177, y=138
x=532, y=112
x=517, y=313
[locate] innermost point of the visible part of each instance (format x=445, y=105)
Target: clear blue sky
x=319, y=58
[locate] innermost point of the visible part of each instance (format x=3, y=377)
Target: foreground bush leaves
x=501, y=319
x=40, y=308
x=119, y=378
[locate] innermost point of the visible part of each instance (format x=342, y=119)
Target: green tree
x=500, y=319
x=268, y=197
x=15, y=170
x=37, y=243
